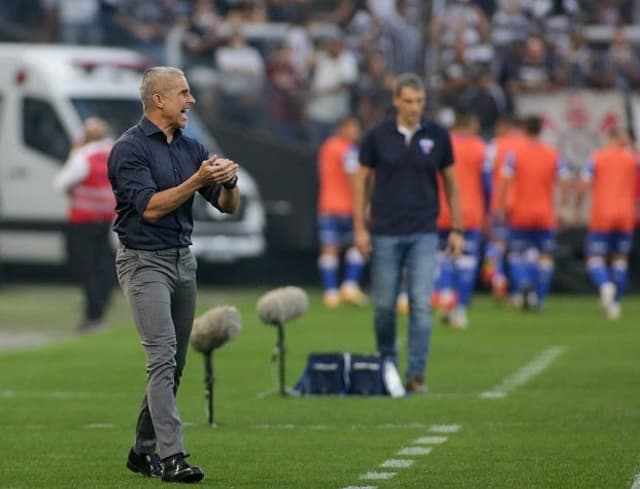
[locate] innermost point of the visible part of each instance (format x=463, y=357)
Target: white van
x=46, y=91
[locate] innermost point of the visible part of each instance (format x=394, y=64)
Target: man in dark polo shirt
x=396, y=206
x=155, y=171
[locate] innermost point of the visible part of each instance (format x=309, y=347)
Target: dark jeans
x=91, y=257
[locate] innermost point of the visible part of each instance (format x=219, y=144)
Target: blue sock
x=495, y=253
x=466, y=277
x=517, y=272
x=447, y=272
x=545, y=272
x=619, y=274
x=354, y=265
x=328, y=266
x=531, y=265
x=597, y=269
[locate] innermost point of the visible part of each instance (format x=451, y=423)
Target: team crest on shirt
x=426, y=145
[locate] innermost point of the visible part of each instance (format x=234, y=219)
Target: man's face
x=410, y=105
x=178, y=101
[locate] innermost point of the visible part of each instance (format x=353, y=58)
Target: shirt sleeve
x=134, y=181
x=447, y=152
x=73, y=172
x=350, y=160
x=367, y=153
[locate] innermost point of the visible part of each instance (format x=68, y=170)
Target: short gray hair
x=410, y=80
x=154, y=81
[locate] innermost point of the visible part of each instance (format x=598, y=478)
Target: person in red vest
x=91, y=213
x=610, y=177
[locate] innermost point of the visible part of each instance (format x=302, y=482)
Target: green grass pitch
x=67, y=410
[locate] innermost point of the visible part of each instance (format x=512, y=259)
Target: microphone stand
x=209, y=381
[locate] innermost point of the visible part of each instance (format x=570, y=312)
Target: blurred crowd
x=297, y=67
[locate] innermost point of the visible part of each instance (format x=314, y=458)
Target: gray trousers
x=160, y=287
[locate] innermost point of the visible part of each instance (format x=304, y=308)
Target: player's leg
x=619, y=269
x=545, y=244
x=466, y=267
x=329, y=259
x=518, y=243
x=354, y=263
x=597, y=249
x=445, y=285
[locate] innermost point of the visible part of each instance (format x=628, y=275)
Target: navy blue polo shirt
x=142, y=163
x=405, y=191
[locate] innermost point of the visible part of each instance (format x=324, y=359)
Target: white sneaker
x=458, y=319
x=613, y=311
x=607, y=295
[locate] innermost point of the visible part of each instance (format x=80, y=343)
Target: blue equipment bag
x=365, y=375
x=342, y=373
x=326, y=374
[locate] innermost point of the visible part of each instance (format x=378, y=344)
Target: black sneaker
x=146, y=464
x=177, y=470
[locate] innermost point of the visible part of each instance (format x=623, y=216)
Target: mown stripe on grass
x=525, y=374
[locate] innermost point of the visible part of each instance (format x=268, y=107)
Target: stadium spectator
x=372, y=93
x=146, y=24
x=78, y=21
x=575, y=61
x=618, y=66
x=457, y=275
x=401, y=41
x=610, y=177
x=242, y=80
x=287, y=10
x=26, y=21
x=484, y=98
x=285, y=92
x=201, y=34
x=91, y=213
x=301, y=47
x=400, y=159
x=334, y=72
x=531, y=172
x=509, y=24
x=337, y=166
x=530, y=68
x=155, y=171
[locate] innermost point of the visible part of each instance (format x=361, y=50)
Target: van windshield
x=123, y=113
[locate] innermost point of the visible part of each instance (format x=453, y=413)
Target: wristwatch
x=231, y=184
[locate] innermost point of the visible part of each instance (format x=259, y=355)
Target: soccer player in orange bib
x=610, y=175
x=531, y=172
x=337, y=164
x=456, y=277
x=508, y=135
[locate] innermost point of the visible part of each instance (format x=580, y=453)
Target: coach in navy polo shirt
x=396, y=206
x=155, y=171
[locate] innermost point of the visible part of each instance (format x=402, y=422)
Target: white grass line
x=430, y=440
x=525, y=374
x=397, y=463
x=392, y=426
x=62, y=395
x=378, y=476
x=636, y=482
x=445, y=428
x=415, y=451
x=361, y=487
x=355, y=427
